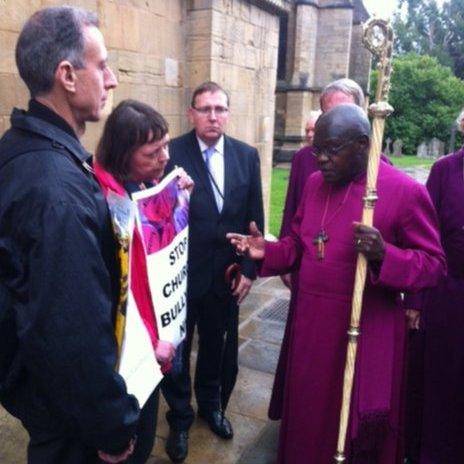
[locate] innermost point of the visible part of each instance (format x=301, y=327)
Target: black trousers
x=214, y=316
x=47, y=447
x=58, y=449
x=146, y=430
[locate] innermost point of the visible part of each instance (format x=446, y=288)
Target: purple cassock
x=413, y=260
x=304, y=163
x=437, y=365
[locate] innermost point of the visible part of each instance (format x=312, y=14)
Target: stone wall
x=323, y=44
x=146, y=52
x=334, y=42
x=303, y=68
x=235, y=43
x=161, y=49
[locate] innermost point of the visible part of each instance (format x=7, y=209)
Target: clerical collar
x=40, y=111
x=219, y=146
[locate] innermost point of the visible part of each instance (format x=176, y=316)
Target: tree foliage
x=422, y=27
x=453, y=11
x=427, y=98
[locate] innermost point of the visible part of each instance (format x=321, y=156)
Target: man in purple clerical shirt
x=403, y=253
x=303, y=165
x=435, y=403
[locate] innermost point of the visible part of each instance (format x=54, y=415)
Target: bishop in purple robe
x=404, y=253
x=437, y=367
x=304, y=163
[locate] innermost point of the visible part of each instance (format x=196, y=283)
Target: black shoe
x=177, y=445
x=218, y=423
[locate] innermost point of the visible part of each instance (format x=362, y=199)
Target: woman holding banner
x=132, y=155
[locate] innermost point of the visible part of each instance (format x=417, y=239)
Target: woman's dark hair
x=130, y=125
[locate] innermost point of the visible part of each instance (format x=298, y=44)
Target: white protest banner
x=137, y=362
x=162, y=217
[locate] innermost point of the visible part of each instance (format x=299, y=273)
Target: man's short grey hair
x=346, y=86
x=50, y=36
x=459, y=121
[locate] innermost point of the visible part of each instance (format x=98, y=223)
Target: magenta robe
x=438, y=363
x=413, y=260
x=304, y=163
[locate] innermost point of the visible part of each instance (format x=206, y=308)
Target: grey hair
x=50, y=36
x=346, y=86
x=459, y=121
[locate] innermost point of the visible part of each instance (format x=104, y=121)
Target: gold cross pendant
x=319, y=241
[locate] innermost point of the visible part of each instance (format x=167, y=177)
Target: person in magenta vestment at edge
x=404, y=253
x=304, y=163
x=435, y=406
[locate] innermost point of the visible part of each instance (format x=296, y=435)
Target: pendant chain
x=327, y=201
x=322, y=237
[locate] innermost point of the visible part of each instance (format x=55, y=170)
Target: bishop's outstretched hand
x=251, y=245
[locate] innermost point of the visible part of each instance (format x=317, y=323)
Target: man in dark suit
x=226, y=197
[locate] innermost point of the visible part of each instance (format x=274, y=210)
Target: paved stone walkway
x=262, y=323
x=13, y=440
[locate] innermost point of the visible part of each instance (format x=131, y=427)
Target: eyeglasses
x=330, y=152
x=207, y=110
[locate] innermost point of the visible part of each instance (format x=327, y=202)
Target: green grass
x=278, y=193
x=411, y=162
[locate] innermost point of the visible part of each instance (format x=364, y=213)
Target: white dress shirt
x=216, y=165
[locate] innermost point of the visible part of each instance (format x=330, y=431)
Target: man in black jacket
x=57, y=254
x=227, y=196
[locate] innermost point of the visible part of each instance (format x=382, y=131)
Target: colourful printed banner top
x=162, y=217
